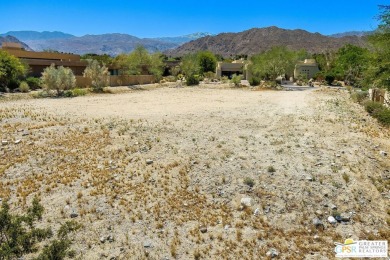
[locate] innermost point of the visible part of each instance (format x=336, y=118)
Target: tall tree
x=207, y=61
x=11, y=69
x=350, y=63
x=379, y=70
x=139, y=62
x=275, y=62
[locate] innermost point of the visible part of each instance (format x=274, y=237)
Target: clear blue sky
x=173, y=18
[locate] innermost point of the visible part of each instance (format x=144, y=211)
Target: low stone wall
x=379, y=95
x=114, y=81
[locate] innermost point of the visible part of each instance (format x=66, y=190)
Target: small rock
x=203, y=229
x=25, y=132
x=318, y=223
x=332, y=220
x=272, y=253
x=383, y=153
x=110, y=238
x=246, y=202
x=256, y=212
x=147, y=244
x=316, y=237
x=102, y=240
x=319, y=213
x=334, y=207
x=338, y=155
x=226, y=227
x=309, y=178
x=149, y=161
x=74, y=214
x=4, y=142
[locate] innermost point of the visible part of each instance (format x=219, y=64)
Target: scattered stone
x=25, y=132
x=318, y=223
x=203, y=229
x=147, y=244
x=17, y=141
x=316, y=237
x=334, y=207
x=149, y=161
x=309, y=178
x=319, y=213
x=110, y=238
x=256, y=212
x=102, y=239
x=332, y=220
x=338, y=155
x=383, y=153
x=318, y=164
x=267, y=209
x=246, y=202
x=272, y=253
x=343, y=218
x=4, y=142
x=226, y=227
x=74, y=214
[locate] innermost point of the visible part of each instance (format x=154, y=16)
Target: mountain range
x=256, y=40
x=111, y=43
x=248, y=42
x=9, y=38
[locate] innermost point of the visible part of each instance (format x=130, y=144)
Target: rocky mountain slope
x=260, y=39
x=9, y=38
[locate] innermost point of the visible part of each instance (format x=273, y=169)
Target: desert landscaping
x=203, y=172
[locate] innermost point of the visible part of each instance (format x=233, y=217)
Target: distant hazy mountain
x=185, y=38
x=9, y=38
x=33, y=35
x=112, y=44
x=352, y=33
x=256, y=40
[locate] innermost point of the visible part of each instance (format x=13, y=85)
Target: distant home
x=228, y=69
x=308, y=68
x=38, y=61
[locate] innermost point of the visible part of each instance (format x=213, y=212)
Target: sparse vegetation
x=59, y=79
x=98, y=74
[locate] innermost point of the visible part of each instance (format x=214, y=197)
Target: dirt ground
x=160, y=173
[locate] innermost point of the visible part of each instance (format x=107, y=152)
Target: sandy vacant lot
x=160, y=174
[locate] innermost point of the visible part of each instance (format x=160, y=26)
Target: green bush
x=383, y=116
x=236, y=80
x=192, y=80
x=254, y=81
x=34, y=83
x=249, y=181
x=23, y=87
x=359, y=96
x=379, y=111
x=373, y=107
x=329, y=78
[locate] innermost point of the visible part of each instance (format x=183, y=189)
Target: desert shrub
x=34, y=83
x=329, y=78
x=383, y=116
x=59, y=79
x=210, y=75
x=19, y=236
x=254, y=81
x=225, y=79
x=359, y=96
x=271, y=169
x=98, y=74
x=23, y=87
x=373, y=107
x=79, y=92
x=249, y=181
x=379, y=111
x=236, y=80
x=192, y=80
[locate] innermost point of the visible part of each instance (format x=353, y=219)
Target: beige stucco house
x=308, y=68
